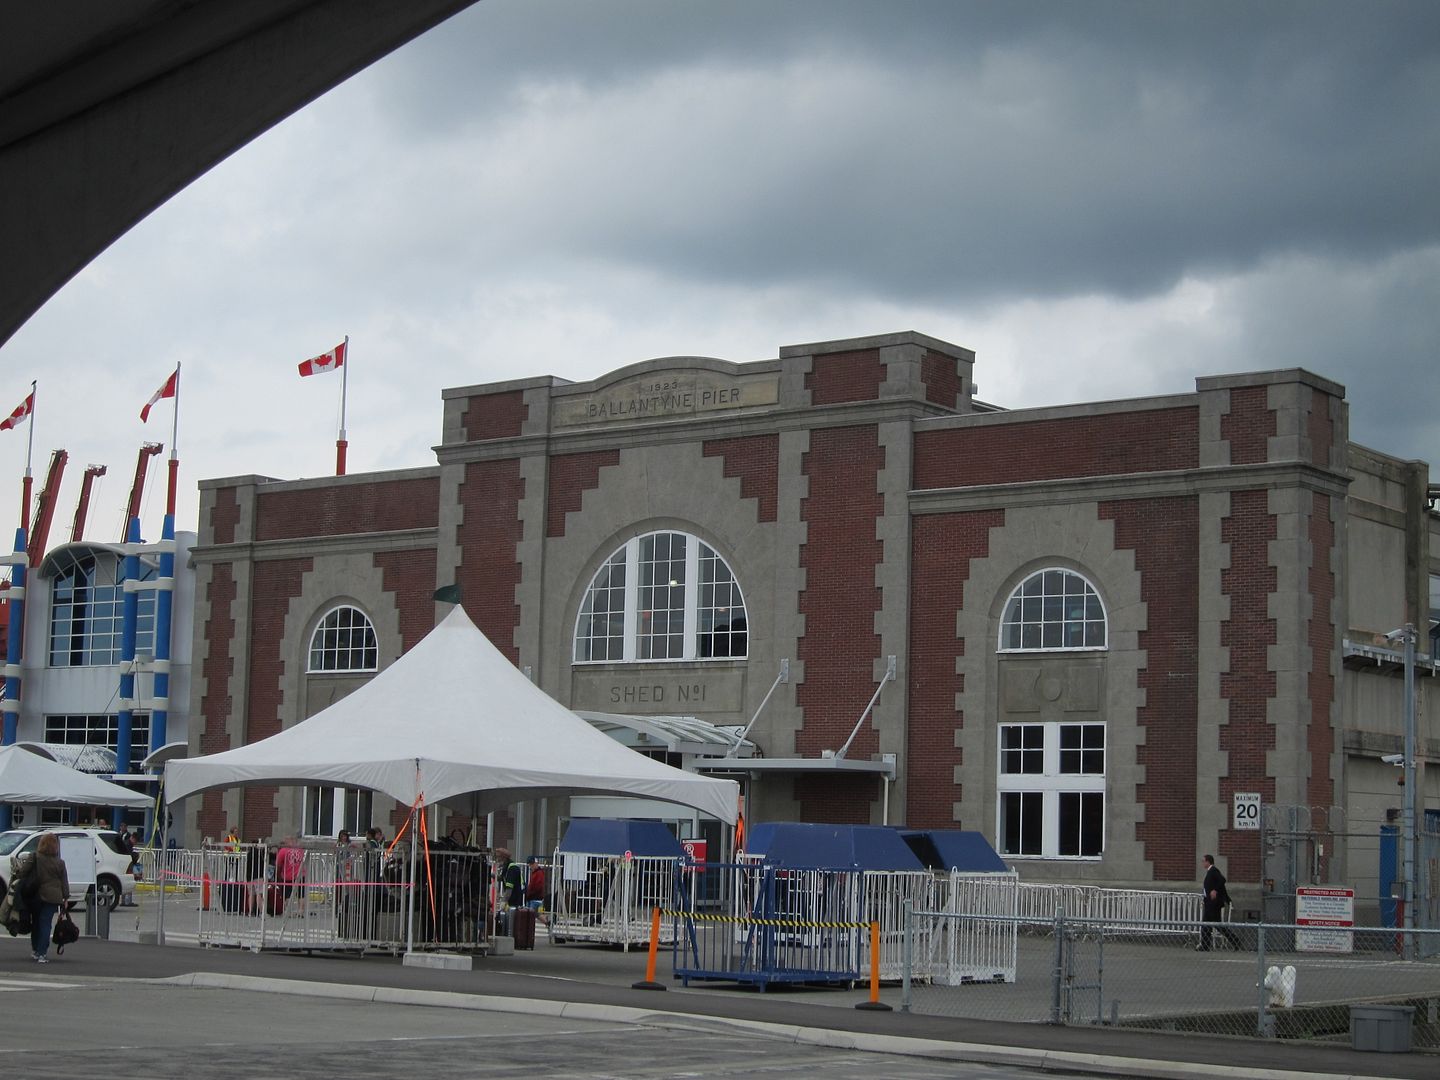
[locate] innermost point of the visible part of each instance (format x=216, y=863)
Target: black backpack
x=65, y=932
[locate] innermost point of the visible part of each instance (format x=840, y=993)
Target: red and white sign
x=695, y=850
x=1326, y=918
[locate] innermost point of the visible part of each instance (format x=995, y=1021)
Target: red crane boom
x=137, y=488
x=82, y=508
x=45, y=508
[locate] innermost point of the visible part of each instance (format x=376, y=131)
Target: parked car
x=93, y=861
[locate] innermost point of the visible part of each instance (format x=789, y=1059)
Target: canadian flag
x=172, y=384
x=24, y=409
x=324, y=362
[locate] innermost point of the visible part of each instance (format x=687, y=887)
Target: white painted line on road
x=29, y=984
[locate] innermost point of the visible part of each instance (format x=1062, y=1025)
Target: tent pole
x=160, y=868
x=415, y=813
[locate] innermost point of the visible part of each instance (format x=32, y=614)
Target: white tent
x=26, y=777
x=452, y=717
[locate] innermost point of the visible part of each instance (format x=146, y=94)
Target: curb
x=904, y=1045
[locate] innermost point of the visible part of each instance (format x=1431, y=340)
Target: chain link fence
x=1258, y=980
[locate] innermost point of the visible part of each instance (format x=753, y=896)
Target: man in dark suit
x=1214, y=901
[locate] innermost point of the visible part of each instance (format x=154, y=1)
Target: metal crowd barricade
x=609, y=899
x=1039, y=900
x=178, y=869
x=884, y=896
x=955, y=951
x=452, y=904
x=352, y=899
x=1145, y=906
x=785, y=926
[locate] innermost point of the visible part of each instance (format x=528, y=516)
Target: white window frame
x=1017, y=599
x=311, y=669
x=1050, y=784
x=93, y=613
x=347, y=808
x=691, y=583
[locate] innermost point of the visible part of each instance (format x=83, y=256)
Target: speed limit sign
x=1247, y=810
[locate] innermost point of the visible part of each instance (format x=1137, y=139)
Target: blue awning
x=830, y=847
x=954, y=849
x=594, y=836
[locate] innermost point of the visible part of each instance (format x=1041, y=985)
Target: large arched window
x=662, y=596
x=344, y=641
x=1053, y=609
x=87, y=611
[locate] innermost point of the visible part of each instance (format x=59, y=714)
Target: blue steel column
x=165, y=590
x=164, y=600
x=13, y=654
x=130, y=611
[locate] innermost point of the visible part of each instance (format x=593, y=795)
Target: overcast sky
x=1103, y=200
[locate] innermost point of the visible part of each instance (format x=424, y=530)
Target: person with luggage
x=51, y=889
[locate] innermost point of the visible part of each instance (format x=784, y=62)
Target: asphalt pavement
x=593, y=984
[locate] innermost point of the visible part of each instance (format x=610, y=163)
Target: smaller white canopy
x=452, y=717
x=30, y=778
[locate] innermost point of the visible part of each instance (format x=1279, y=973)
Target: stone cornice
x=306, y=546
x=1153, y=485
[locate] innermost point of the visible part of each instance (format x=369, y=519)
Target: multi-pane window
x=87, y=612
x=721, y=610
x=661, y=630
x=1053, y=609
x=96, y=729
x=600, y=634
x=663, y=596
x=344, y=641
x=1051, y=790
x=328, y=810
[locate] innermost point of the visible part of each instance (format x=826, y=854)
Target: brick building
x=1081, y=630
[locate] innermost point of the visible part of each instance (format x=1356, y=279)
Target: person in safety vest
x=512, y=879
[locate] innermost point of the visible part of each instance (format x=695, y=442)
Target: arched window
x=1053, y=609
x=662, y=596
x=344, y=641
x=87, y=611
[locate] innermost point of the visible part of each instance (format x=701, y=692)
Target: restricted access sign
x=695, y=850
x=1325, y=918
x=1247, y=811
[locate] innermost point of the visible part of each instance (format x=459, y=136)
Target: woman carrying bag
x=52, y=892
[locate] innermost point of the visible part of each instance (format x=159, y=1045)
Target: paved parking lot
x=165, y=1031
x=577, y=986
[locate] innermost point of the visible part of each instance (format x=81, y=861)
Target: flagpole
x=28, y=481
x=174, y=448
x=340, y=443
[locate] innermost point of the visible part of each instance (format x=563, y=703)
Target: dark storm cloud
x=983, y=150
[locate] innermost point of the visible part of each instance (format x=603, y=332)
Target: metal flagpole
x=25, y=484
x=340, y=443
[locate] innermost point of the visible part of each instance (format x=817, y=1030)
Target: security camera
x=1393, y=759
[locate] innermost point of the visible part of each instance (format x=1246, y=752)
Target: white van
x=92, y=859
